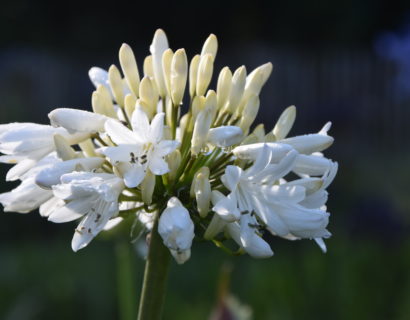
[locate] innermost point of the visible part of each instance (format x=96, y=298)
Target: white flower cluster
x=201, y=174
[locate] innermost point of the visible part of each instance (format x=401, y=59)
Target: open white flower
x=93, y=196
x=140, y=149
x=177, y=230
x=24, y=144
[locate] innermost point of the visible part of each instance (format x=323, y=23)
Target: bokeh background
x=344, y=61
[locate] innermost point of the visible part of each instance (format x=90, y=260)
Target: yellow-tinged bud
x=168, y=111
x=270, y=137
x=88, y=148
x=210, y=46
x=284, y=123
x=114, y=77
x=129, y=105
x=183, y=122
x=145, y=107
x=148, y=69
x=193, y=74
x=210, y=103
x=223, y=88
x=259, y=132
x=149, y=95
x=63, y=148
x=201, y=129
x=166, y=68
x=174, y=160
x=238, y=86
x=129, y=68
x=249, y=113
x=265, y=69
x=205, y=70
x=147, y=187
x=96, y=104
x=179, y=74
x=198, y=104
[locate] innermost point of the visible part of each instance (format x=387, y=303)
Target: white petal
x=231, y=177
x=280, y=193
x=227, y=208
x=225, y=136
x=140, y=124
x=157, y=128
x=71, y=211
x=252, y=151
x=77, y=120
x=99, y=76
x=158, y=166
x=119, y=133
x=134, y=176
x=165, y=147
x=122, y=153
x=309, y=143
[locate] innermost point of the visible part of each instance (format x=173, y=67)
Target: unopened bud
x=114, y=77
x=63, y=148
x=174, y=160
x=157, y=49
x=202, y=191
x=129, y=104
x=205, y=70
x=201, y=129
x=198, y=105
x=88, y=148
x=147, y=187
x=284, y=123
x=223, y=88
x=238, y=85
x=225, y=136
x=249, y=113
x=193, y=74
x=166, y=68
x=179, y=74
x=149, y=95
x=148, y=68
x=210, y=46
x=129, y=68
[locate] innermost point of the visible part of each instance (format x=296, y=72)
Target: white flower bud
x=105, y=99
x=77, y=120
x=285, y=123
x=265, y=70
x=129, y=68
x=203, y=193
x=249, y=113
x=88, y=148
x=166, y=68
x=148, y=68
x=63, y=148
x=198, y=105
x=174, y=160
x=210, y=46
x=225, y=136
x=223, y=88
x=238, y=85
x=129, y=105
x=312, y=165
x=149, y=95
x=205, y=70
x=202, y=170
x=114, y=77
x=147, y=187
x=179, y=74
x=157, y=49
x=176, y=229
x=252, y=151
x=193, y=75
x=99, y=76
x=201, y=129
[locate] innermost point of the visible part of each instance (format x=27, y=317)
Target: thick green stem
x=155, y=278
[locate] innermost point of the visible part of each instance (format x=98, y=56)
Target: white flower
x=277, y=206
x=140, y=149
x=245, y=234
x=177, y=230
x=77, y=120
x=225, y=136
x=24, y=144
x=93, y=196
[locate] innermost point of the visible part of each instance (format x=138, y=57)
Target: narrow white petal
x=119, y=133
x=157, y=128
x=158, y=166
x=140, y=124
x=231, y=177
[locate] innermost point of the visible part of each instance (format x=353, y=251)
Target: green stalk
x=155, y=278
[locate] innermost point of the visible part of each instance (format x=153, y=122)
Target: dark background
x=344, y=61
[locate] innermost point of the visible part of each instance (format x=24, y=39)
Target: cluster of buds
x=204, y=174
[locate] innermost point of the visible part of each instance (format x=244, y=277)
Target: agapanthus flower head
x=187, y=169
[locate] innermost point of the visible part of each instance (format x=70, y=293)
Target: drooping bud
x=114, y=77
x=225, y=136
x=179, y=74
x=147, y=187
x=177, y=230
x=129, y=68
x=205, y=70
x=157, y=49
x=223, y=88
x=285, y=123
x=77, y=120
x=210, y=46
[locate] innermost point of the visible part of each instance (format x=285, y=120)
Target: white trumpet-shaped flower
x=177, y=230
x=139, y=149
x=93, y=196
